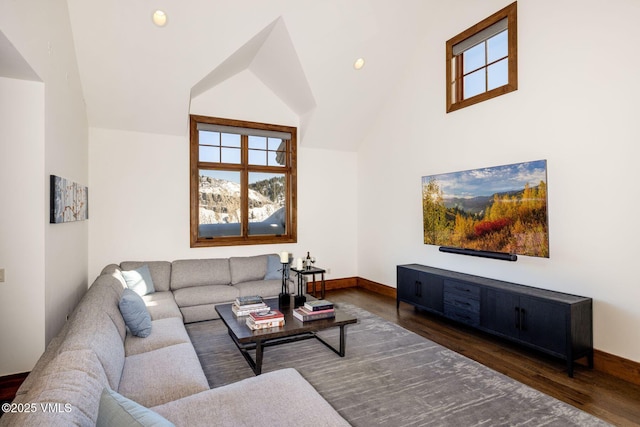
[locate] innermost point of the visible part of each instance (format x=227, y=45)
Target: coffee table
x=293, y=330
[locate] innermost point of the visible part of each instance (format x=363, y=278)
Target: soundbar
x=484, y=254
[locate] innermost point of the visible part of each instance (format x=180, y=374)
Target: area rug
x=392, y=377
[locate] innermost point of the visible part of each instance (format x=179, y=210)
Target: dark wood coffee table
x=293, y=330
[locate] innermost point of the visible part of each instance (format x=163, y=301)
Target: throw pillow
x=117, y=410
x=139, y=280
x=135, y=313
x=274, y=268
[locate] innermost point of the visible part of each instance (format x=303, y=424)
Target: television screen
x=496, y=209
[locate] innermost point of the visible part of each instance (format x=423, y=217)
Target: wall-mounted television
x=499, y=209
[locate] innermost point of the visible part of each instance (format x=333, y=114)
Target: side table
x=312, y=271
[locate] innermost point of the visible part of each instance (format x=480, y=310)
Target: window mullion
x=459, y=78
x=486, y=65
x=244, y=185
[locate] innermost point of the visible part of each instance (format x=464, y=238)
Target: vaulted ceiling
x=139, y=77
x=136, y=76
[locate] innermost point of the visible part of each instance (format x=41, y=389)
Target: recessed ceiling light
x=159, y=18
x=358, y=64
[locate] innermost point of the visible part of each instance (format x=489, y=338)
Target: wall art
x=69, y=201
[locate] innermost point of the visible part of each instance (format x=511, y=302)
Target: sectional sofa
x=97, y=372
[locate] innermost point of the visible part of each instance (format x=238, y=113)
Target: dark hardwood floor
x=606, y=397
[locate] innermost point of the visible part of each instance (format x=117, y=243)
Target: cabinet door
x=409, y=289
x=544, y=324
x=432, y=292
x=421, y=289
x=499, y=312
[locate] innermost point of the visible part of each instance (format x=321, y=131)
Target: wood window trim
x=290, y=171
x=509, y=12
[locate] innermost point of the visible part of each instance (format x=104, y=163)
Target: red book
x=265, y=316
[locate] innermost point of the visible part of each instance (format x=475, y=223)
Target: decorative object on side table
x=284, y=297
x=300, y=299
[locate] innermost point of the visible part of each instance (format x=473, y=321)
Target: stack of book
x=265, y=319
x=314, y=310
x=243, y=306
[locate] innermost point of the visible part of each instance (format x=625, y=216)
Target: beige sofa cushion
x=99, y=335
x=50, y=353
x=164, y=332
x=264, y=288
x=162, y=375
x=200, y=272
x=97, y=324
x=71, y=386
x=161, y=305
x=104, y=292
x=237, y=405
x=198, y=313
x=160, y=272
x=244, y=269
x=202, y=295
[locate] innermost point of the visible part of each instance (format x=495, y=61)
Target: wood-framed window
x=482, y=62
x=242, y=182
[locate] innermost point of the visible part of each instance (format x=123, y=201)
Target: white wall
x=139, y=190
x=21, y=226
x=575, y=107
x=41, y=33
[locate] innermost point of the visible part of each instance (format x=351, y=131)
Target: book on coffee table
x=245, y=310
x=306, y=315
x=277, y=323
x=266, y=316
x=249, y=300
x=317, y=305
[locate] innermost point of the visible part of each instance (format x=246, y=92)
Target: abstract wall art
x=69, y=201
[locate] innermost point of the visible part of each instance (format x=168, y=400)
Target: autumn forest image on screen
x=498, y=209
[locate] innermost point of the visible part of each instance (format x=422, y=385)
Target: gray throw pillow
x=117, y=410
x=274, y=268
x=139, y=280
x=135, y=313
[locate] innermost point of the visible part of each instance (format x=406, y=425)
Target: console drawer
x=461, y=288
x=458, y=314
x=462, y=302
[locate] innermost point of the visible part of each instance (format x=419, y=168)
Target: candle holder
x=284, y=297
x=300, y=299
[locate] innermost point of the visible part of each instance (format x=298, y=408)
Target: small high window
x=482, y=62
x=243, y=182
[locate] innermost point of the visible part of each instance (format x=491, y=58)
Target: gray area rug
x=393, y=377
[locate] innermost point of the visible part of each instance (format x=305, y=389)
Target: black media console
x=553, y=322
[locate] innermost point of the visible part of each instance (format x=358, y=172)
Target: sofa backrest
x=160, y=272
x=247, y=269
x=69, y=387
x=200, y=272
x=97, y=325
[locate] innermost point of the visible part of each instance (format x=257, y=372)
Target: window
x=482, y=62
x=243, y=182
